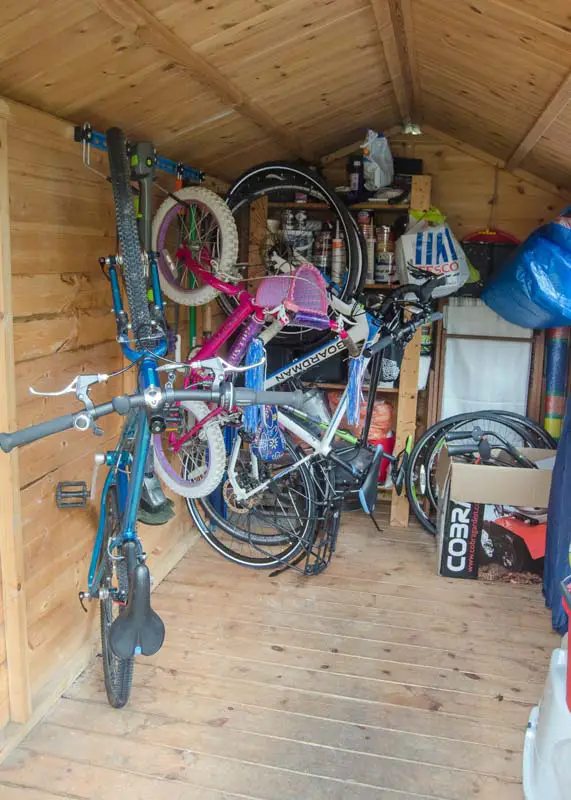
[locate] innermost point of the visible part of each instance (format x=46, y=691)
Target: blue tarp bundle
x=559, y=528
x=533, y=287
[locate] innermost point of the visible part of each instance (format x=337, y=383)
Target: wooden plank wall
x=463, y=188
x=61, y=221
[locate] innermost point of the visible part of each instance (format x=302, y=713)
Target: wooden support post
x=406, y=419
x=535, y=393
x=420, y=192
x=11, y=548
x=257, y=236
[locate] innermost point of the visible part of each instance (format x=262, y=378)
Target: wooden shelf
x=354, y=207
x=309, y=206
x=343, y=386
x=379, y=207
x=405, y=397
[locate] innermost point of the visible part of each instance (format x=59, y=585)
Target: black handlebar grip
x=426, y=289
x=246, y=397
x=458, y=436
x=8, y=441
x=462, y=449
x=382, y=344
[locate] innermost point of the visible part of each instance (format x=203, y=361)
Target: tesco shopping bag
x=427, y=249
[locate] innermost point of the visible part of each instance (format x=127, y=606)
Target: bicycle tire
x=117, y=673
x=284, y=175
x=266, y=178
x=128, y=234
x=216, y=462
x=530, y=432
x=228, y=245
x=208, y=520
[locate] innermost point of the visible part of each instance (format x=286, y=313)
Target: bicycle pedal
x=71, y=494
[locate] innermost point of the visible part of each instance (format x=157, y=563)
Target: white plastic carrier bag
x=427, y=249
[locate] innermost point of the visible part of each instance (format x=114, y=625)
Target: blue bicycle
x=118, y=575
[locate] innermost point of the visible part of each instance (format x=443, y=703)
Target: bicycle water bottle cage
x=303, y=294
x=138, y=630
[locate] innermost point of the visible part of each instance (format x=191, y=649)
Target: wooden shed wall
x=61, y=221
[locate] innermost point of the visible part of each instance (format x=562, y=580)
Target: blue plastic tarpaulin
x=533, y=287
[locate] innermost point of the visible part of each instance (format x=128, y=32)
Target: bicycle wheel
x=200, y=219
x=198, y=467
x=272, y=180
x=118, y=673
x=274, y=528
x=133, y=269
x=421, y=469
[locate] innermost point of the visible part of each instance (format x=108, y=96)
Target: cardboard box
x=491, y=513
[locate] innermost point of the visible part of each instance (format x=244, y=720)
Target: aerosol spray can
x=338, y=257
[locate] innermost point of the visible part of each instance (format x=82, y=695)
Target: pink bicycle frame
x=246, y=308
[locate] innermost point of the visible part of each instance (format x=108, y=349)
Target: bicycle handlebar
x=226, y=395
x=423, y=292
x=405, y=330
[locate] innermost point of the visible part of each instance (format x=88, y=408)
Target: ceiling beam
x=401, y=30
x=554, y=107
x=391, y=51
x=133, y=17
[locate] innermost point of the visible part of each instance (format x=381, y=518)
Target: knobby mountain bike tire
x=262, y=534
x=423, y=455
x=117, y=672
x=216, y=220
x=265, y=179
x=128, y=234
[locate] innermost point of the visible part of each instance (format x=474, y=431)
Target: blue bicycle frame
x=128, y=461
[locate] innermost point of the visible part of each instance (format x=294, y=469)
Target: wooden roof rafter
x=396, y=32
x=391, y=51
x=133, y=17
x=556, y=104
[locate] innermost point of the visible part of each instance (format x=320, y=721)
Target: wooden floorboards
x=377, y=680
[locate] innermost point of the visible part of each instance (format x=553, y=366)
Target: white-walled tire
x=214, y=221
x=207, y=449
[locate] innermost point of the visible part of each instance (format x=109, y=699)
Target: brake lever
x=80, y=387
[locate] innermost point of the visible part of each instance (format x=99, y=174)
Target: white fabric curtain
x=484, y=373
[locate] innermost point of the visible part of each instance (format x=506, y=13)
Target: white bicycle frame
x=359, y=327
x=365, y=332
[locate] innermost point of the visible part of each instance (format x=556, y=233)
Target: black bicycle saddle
x=138, y=630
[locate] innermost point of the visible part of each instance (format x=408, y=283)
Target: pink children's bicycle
x=190, y=457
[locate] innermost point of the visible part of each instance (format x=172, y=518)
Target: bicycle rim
x=117, y=672
x=203, y=222
x=421, y=469
x=273, y=528
x=267, y=179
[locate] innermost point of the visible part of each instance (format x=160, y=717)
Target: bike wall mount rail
x=90, y=138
